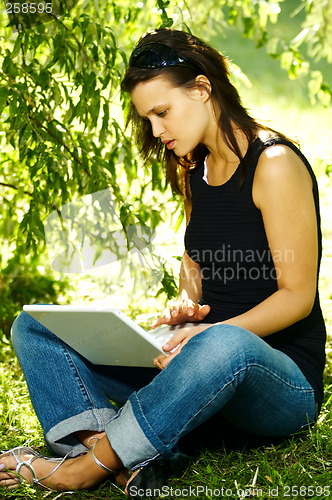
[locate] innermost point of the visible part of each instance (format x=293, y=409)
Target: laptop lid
x=103, y=335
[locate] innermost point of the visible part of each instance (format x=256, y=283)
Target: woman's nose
x=157, y=128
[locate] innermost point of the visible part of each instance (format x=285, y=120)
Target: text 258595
x=28, y=8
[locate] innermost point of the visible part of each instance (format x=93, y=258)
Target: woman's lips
x=170, y=144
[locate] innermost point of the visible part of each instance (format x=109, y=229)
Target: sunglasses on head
x=156, y=55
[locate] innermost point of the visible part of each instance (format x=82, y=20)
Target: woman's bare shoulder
x=280, y=169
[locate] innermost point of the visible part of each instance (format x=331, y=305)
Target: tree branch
x=57, y=139
x=14, y=187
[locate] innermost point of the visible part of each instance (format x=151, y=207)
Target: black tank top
x=226, y=237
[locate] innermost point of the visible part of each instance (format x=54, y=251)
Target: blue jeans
x=224, y=369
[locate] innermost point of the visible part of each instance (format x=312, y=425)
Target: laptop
x=103, y=335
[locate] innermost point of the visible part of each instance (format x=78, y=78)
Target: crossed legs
x=224, y=369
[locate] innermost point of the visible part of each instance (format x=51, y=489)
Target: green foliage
x=62, y=128
x=62, y=115
x=300, y=55
x=167, y=22
x=169, y=285
x=23, y=282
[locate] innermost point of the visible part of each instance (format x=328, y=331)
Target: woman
x=253, y=247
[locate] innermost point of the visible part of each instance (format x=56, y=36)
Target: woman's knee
x=220, y=351
x=224, y=342
x=18, y=326
x=24, y=330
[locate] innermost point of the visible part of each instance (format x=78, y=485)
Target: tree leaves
x=3, y=97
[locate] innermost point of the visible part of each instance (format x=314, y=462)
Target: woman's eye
x=162, y=114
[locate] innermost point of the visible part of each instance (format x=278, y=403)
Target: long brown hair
x=225, y=98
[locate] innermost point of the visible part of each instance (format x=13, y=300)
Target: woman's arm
x=282, y=190
x=190, y=286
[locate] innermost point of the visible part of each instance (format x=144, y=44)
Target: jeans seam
x=309, y=390
x=81, y=385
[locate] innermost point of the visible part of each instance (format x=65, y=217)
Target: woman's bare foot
x=89, y=439
x=73, y=474
x=59, y=480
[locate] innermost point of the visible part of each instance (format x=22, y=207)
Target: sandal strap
x=27, y=464
x=98, y=462
x=16, y=453
x=35, y=480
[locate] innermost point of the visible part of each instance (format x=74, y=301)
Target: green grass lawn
x=299, y=467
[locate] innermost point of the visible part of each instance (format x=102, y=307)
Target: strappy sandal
x=19, y=450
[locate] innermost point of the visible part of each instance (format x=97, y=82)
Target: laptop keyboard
x=162, y=334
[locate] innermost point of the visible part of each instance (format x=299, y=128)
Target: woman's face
x=181, y=117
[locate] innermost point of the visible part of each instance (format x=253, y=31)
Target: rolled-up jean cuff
x=61, y=438
x=128, y=439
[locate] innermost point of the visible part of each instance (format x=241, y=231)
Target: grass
x=264, y=471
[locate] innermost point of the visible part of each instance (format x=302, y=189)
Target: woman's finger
x=162, y=361
x=189, y=307
x=187, y=311
x=174, y=341
x=202, y=312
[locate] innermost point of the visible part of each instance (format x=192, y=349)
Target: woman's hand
x=175, y=344
x=184, y=312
